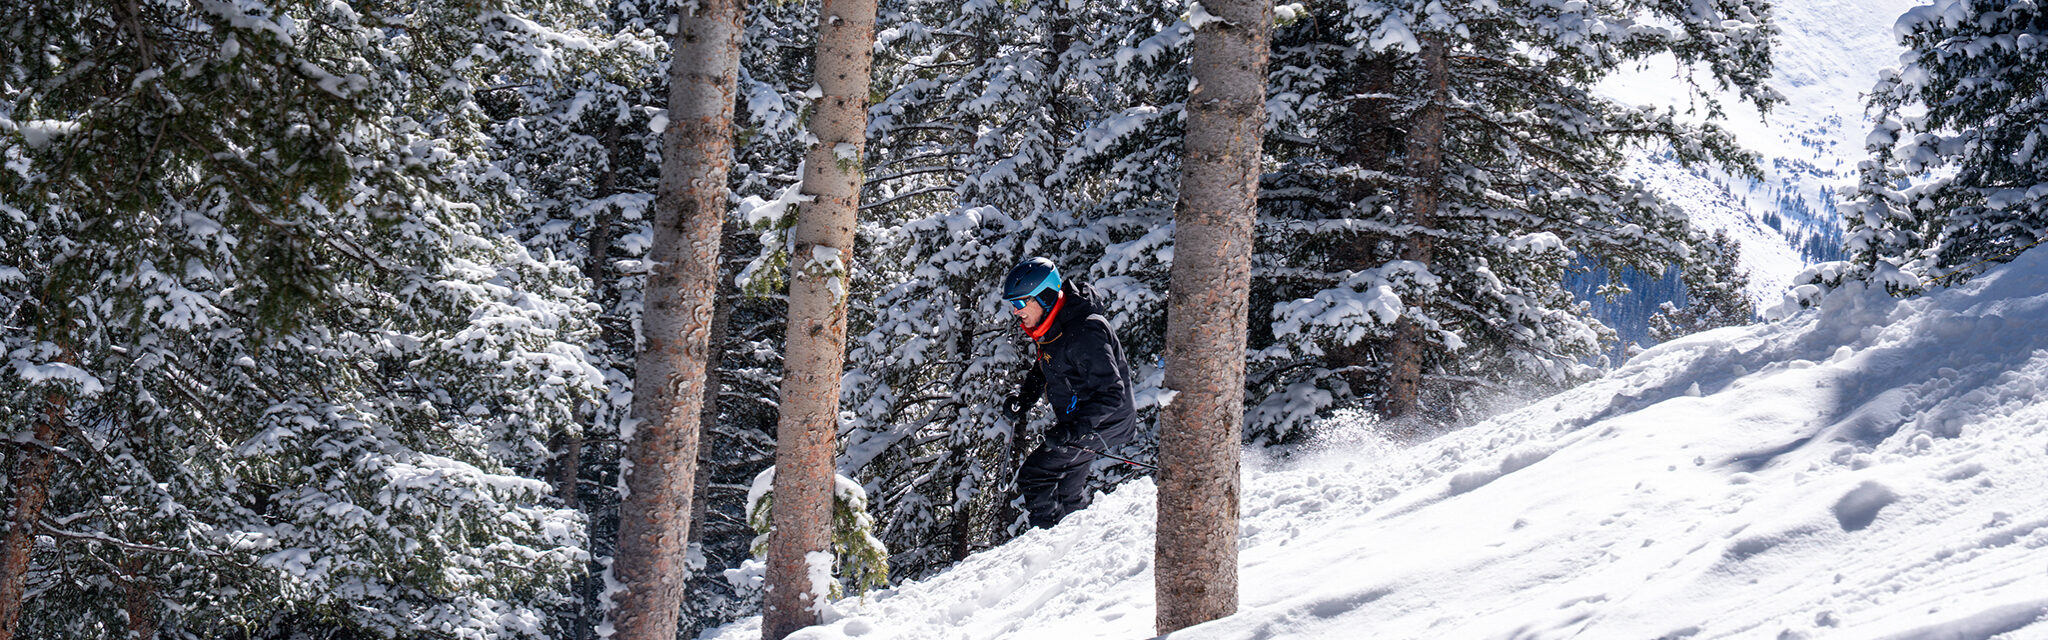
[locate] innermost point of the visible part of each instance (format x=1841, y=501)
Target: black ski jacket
x=1082, y=373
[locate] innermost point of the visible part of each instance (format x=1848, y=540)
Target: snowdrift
x=1875, y=468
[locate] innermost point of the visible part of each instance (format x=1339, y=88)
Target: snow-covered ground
x=1876, y=468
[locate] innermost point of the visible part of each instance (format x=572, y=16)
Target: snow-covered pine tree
x=1958, y=177
x=1525, y=184
x=1006, y=130
x=859, y=558
x=1715, y=290
x=260, y=326
x=585, y=157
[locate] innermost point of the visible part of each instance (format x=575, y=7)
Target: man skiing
x=1081, y=372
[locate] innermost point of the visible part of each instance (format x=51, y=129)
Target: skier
x=1080, y=370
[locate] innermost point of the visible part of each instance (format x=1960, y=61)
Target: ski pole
x=1119, y=458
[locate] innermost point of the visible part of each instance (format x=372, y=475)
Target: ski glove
x=1015, y=408
x=1018, y=406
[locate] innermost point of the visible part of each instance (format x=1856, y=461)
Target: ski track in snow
x=1874, y=469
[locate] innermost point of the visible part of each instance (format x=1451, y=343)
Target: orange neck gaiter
x=1045, y=324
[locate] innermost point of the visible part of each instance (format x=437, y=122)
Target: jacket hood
x=1077, y=302
x=1080, y=303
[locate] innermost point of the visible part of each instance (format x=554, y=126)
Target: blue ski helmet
x=1033, y=278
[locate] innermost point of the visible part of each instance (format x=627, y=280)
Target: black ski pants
x=1054, y=482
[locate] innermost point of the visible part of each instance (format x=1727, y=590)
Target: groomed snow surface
x=1876, y=468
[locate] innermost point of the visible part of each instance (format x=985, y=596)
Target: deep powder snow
x=1875, y=468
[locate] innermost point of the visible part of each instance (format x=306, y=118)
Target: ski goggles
x=1019, y=303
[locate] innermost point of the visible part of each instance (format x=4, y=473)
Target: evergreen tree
x=774, y=78
x=1715, y=291
x=820, y=264
x=658, y=474
x=1525, y=182
x=276, y=366
x=1957, y=179
x=584, y=152
x=587, y=159
x=584, y=159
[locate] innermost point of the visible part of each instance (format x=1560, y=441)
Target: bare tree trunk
x=714, y=383
x=820, y=278
x=1210, y=283
x=1425, y=151
x=668, y=378
x=30, y=480
x=963, y=516
x=565, y=469
x=141, y=593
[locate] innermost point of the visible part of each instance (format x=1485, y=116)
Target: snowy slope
x=1876, y=468
x=1827, y=56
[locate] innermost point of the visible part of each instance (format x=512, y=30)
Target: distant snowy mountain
x=1827, y=56
x=1874, y=468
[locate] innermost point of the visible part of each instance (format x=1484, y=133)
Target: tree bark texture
x=1199, y=431
x=30, y=480
x=820, y=270
x=668, y=377
x=1425, y=152
x=564, y=471
x=140, y=601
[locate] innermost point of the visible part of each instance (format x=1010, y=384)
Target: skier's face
x=1030, y=314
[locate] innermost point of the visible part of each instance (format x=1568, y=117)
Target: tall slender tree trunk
x=1059, y=40
x=963, y=515
x=564, y=470
x=668, y=378
x=1369, y=147
x=1210, y=283
x=820, y=278
x=568, y=447
x=30, y=480
x=1425, y=151
x=140, y=600
x=714, y=383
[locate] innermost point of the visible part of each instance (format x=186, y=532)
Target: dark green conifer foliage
x=1715, y=293
x=1528, y=182
x=1002, y=130
x=253, y=251
x=1958, y=175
